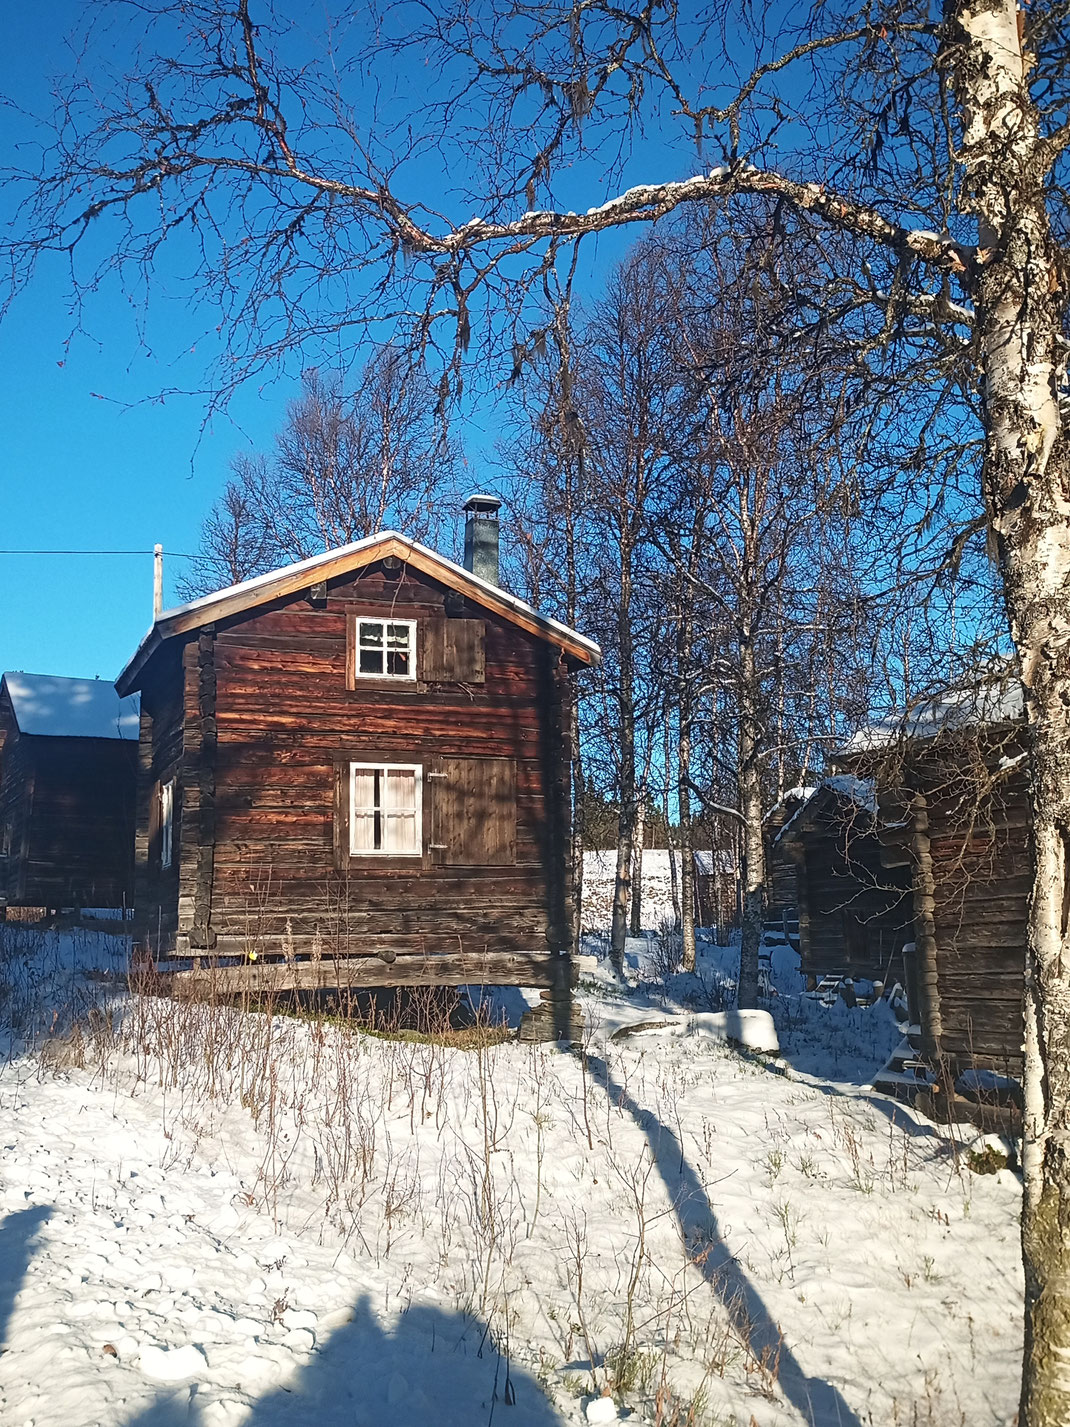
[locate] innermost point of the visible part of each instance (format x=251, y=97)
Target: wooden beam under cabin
x=355, y=972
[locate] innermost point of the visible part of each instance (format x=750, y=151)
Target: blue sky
x=90, y=460
x=87, y=460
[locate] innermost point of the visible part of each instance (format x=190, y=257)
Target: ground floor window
x=385, y=809
x=167, y=822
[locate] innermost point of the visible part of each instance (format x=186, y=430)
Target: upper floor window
x=386, y=649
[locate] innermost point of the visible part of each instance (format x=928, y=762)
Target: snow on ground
x=216, y=1217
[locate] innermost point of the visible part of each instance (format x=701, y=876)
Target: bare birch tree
x=344, y=466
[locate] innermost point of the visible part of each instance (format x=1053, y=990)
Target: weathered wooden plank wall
x=978, y=819
x=68, y=807
x=854, y=913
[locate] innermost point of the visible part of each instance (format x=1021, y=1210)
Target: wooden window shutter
x=452, y=651
x=474, y=819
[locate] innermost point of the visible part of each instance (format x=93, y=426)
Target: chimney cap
x=477, y=504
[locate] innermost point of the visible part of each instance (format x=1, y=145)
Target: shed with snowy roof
x=855, y=914
x=68, y=759
x=355, y=773
x=953, y=789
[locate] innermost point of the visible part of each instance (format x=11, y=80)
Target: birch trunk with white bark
x=750, y=806
x=1020, y=297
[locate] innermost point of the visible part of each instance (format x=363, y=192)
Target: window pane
x=400, y=790
x=371, y=635
x=363, y=789
x=362, y=832
x=400, y=833
x=371, y=661
x=398, y=638
x=167, y=805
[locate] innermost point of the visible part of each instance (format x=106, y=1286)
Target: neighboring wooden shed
x=855, y=914
x=68, y=759
x=956, y=807
x=716, y=879
x=781, y=891
x=354, y=771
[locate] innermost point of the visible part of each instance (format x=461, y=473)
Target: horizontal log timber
x=472, y=945
x=265, y=978
x=331, y=922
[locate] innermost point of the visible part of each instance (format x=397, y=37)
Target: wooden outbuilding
x=855, y=913
x=781, y=889
x=956, y=821
x=68, y=759
x=716, y=879
x=354, y=771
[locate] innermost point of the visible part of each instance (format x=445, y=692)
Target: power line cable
x=175, y=554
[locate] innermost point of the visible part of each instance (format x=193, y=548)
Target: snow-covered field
x=598, y=873
x=212, y=1217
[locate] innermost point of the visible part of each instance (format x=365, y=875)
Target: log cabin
x=854, y=912
x=781, y=890
x=68, y=759
x=354, y=771
x=956, y=819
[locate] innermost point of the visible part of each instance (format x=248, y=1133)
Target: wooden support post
x=157, y=582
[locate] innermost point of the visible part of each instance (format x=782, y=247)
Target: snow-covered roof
x=293, y=578
x=71, y=708
x=860, y=792
x=798, y=794
x=996, y=700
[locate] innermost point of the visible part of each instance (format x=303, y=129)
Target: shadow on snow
x=430, y=1367
x=819, y=1403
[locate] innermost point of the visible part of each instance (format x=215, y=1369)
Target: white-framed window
x=385, y=649
x=386, y=809
x=167, y=822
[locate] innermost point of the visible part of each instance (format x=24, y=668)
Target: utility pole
x=157, y=581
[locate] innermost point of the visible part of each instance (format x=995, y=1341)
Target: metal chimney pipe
x=481, y=537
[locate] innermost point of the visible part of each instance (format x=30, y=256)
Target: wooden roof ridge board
x=261, y=589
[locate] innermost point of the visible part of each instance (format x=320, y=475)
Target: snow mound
x=753, y=1030
x=172, y=1364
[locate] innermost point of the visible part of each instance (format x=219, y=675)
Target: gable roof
x=46, y=704
x=292, y=578
x=854, y=798
x=996, y=697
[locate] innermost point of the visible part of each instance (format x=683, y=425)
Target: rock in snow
x=601, y=1409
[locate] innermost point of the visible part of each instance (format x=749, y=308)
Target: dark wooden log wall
x=268, y=722
x=16, y=801
x=972, y=807
x=160, y=753
x=781, y=890
x=854, y=912
x=69, y=803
